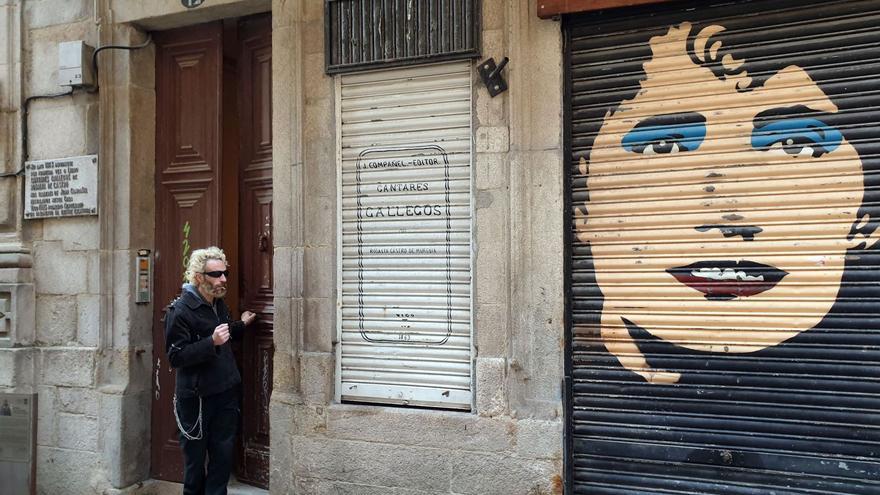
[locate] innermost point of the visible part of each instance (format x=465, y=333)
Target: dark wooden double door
x=214, y=187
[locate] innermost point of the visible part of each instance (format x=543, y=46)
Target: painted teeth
x=726, y=274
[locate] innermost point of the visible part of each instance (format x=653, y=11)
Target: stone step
x=159, y=487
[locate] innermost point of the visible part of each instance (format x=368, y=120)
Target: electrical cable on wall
x=25, y=106
x=24, y=128
x=115, y=47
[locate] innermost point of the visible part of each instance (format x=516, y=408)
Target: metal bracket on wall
x=492, y=76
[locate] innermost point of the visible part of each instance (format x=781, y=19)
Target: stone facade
x=81, y=343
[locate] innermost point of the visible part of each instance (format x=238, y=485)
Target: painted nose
x=747, y=232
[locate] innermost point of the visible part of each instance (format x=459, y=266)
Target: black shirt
x=203, y=369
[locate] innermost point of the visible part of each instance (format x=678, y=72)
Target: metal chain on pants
x=188, y=434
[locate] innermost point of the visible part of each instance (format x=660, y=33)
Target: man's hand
x=221, y=334
x=248, y=317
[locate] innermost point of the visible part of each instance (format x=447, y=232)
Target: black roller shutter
x=723, y=277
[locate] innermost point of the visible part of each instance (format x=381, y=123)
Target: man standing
x=206, y=401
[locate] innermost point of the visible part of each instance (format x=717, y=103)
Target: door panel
x=255, y=246
x=187, y=175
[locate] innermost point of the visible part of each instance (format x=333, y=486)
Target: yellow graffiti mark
x=185, y=245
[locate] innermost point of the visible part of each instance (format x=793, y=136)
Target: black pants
x=219, y=424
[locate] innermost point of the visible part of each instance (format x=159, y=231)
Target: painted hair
x=199, y=258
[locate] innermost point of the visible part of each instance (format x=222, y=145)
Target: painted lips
x=725, y=280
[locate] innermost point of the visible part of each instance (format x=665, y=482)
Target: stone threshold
x=159, y=487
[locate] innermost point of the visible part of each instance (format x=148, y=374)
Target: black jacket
x=203, y=369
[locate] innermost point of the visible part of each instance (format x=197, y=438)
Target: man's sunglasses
x=217, y=273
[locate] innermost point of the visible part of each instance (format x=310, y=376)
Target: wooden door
x=214, y=187
x=255, y=242
x=188, y=113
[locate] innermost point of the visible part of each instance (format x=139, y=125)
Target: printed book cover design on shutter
x=724, y=283
x=402, y=207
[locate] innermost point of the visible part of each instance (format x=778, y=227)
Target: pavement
x=157, y=487
x=238, y=488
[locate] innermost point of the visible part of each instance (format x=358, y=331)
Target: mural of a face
x=731, y=176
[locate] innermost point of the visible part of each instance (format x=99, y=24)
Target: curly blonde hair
x=199, y=258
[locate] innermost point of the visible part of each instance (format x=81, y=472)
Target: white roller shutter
x=404, y=266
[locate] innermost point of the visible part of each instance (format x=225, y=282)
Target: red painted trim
x=552, y=8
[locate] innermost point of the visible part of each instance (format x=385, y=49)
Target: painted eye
x=664, y=139
x=797, y=137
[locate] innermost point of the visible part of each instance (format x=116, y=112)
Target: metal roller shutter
x=723, y=272
x=405, y=254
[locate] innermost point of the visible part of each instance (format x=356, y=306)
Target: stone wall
x=82, y=344
x=512, y=442
x=61, y=342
